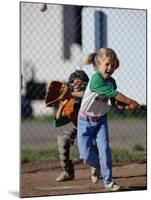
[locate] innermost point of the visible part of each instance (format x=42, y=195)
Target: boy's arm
x=78, y=94
x=60, y=109
x=59, y=119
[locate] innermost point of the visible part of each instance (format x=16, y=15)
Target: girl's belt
x=92, y=118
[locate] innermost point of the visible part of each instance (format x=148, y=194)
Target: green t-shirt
x=97, y=94
x=102, y=86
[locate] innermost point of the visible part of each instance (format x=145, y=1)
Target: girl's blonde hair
x=102, y=54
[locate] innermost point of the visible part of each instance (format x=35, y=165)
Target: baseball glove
x=56, y=91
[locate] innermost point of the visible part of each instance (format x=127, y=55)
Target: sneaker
x=112, y=186
x=64, y=176
x=95, y=175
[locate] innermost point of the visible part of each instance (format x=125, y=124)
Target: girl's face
x=106, y=67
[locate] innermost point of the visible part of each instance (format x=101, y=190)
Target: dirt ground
x=39, y=179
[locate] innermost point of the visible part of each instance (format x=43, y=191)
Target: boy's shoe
x=112, y=186
x=64, y=176
x=95, y=174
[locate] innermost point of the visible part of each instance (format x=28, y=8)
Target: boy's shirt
x=63, y=120
x=97, y=94
x=68, y=116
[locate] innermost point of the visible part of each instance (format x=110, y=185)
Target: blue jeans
x=88, y=131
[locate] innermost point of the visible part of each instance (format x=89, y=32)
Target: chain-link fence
x=56, y=41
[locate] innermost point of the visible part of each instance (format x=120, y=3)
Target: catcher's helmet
x=78, y=74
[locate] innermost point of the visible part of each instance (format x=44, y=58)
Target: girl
x=92, y=117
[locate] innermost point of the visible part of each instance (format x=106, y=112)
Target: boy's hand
x=63, y=102
x=134, y=106
x=61, y=106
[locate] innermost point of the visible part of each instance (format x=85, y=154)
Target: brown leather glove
x=56, y=91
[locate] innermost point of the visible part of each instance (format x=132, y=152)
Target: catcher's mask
x=78, y=74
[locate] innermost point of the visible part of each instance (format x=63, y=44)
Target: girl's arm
x=130, y=103
x=116, y=104
x=99, y=84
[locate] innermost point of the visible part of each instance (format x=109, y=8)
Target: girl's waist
x=87, y=116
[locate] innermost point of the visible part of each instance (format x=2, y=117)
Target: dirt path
x=39, y=179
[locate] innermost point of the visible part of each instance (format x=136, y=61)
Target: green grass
x=121, y=155
x=44, y=119
x=118, y=155
x=126, y=114
x=39, y=156
x=138, y=147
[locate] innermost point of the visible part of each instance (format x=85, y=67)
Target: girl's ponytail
x=91, y=59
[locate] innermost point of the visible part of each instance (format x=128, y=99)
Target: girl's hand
x=120, y=107
x=134, y=106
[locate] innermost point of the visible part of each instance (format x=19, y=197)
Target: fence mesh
x=56, y=41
